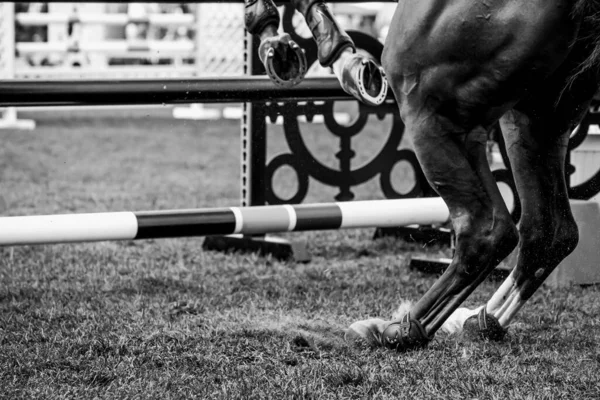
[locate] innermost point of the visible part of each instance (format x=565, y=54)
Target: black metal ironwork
x=305, y=165
x=302, y=161
x=253, y=135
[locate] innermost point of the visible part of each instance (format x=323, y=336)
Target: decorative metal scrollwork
x=305, y=164
x=302, y=161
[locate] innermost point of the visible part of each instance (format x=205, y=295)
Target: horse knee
x=482, y=244
x=260, y=14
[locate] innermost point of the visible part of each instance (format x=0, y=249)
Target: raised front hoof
x=406, y=334
x=483, y=327
x=284, y=61
x=364, y=79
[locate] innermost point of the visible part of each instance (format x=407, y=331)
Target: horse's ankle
x=268, y=32
x=260, y=15
x=331, y=39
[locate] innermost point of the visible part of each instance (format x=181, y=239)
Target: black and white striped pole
x=92, y=227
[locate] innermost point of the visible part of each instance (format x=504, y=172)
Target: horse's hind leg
x=536, y=133
x=283, y=59
x=454, y=160
x=359, y=76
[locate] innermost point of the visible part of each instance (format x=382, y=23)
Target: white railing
x=121, y=48
x=43, y=19
x=217, y=47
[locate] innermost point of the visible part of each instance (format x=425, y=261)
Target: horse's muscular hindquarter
x=470, y=61
x=456, y=67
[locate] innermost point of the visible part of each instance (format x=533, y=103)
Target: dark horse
x=457, y=67
x=285, y=62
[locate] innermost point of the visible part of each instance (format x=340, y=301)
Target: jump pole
x=260, y=220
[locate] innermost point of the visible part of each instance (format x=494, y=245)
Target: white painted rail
x=113, y=47
x=42, y=19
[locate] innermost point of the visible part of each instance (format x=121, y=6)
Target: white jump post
x=90, y=52
x=219, y=26
x=198, y=111
x=8, y=119
x=219, y=49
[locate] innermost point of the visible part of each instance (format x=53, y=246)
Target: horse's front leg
x=456, y=165
x=360, y=75
x=284, y=60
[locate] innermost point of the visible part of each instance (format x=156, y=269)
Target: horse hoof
x=405, y=334
x=368, y=331
x=364, y=79
x=483, y=326
x=284, y=61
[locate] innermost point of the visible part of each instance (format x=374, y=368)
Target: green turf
x=164, y=319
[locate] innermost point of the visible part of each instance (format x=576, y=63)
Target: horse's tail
x=588, y=11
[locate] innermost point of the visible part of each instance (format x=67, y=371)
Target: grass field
x=164, y=319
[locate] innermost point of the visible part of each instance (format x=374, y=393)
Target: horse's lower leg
x=485, y=233
x=359, y=76
x=548, y=231
x=484, y=230
x=283, y=59
x=547, y=228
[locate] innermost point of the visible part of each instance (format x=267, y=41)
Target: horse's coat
x=457, y=67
